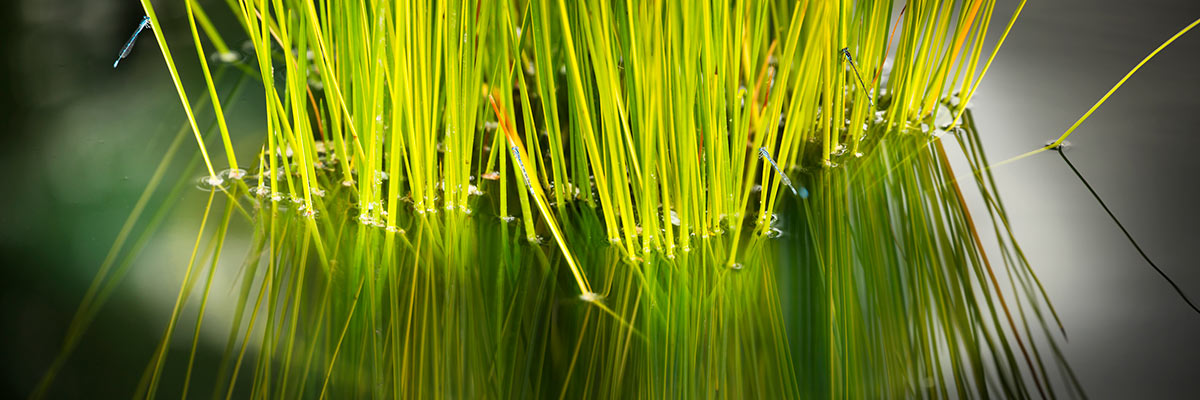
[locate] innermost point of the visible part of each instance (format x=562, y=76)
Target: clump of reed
x=479, y=199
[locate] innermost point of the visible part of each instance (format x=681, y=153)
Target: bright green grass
x=640, y=259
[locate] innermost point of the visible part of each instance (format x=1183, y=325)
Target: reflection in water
x=1130, y=336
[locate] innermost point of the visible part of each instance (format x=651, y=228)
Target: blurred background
x=1129, y=334
x=80, y=140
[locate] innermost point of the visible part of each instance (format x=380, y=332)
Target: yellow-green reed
x=379, y=270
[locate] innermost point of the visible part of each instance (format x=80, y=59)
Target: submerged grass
x=417, y=154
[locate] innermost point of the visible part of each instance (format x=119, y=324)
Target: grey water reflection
x=1129, y=335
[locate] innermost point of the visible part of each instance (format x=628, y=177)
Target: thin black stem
x=1178, y=290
